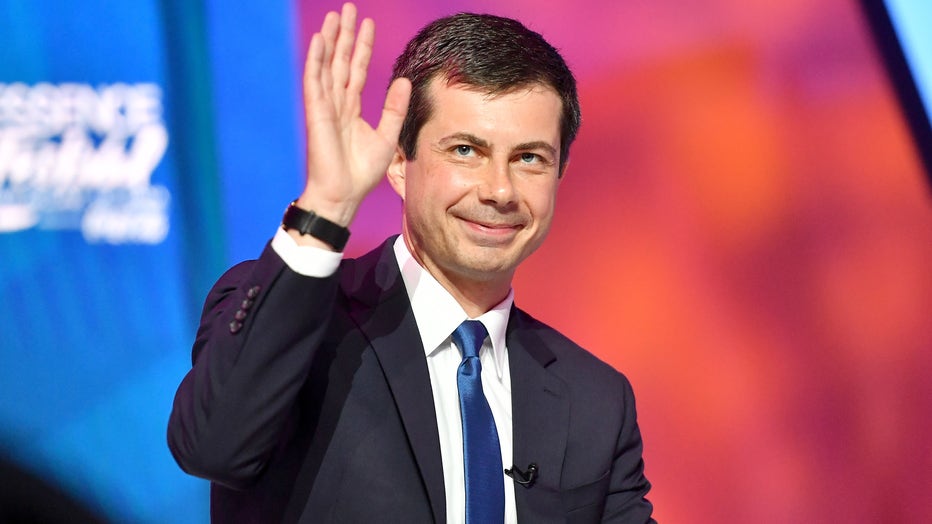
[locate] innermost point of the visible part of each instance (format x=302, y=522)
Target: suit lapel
x=540, y=408
x=383, y=313
x=540, y=418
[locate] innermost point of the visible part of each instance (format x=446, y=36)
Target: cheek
x=429, y=176
x=427, y=199
x=417, y=189
x=447, y=187
x=541, y=201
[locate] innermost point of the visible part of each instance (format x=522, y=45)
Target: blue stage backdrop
x=124, y=180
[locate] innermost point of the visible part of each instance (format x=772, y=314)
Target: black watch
x=310, y=223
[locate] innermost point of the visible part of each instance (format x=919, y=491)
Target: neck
x=476, y=298
x=475, y=293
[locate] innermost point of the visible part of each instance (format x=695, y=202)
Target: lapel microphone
x=525, y=478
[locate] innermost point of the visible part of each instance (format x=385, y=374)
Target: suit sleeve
x=260, y=330
x=626, y=501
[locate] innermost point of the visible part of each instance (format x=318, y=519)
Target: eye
x=463, y=150
x=529, y=158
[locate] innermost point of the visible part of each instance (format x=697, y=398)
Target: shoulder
x=580, y=369
x=375, y=270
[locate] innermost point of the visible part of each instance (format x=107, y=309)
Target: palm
x=346, y=156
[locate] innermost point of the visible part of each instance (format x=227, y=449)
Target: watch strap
x=310, y=223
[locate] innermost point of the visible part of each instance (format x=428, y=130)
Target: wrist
x=339, y=212
x=308, y=227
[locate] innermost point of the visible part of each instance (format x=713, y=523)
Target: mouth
x=491, y=232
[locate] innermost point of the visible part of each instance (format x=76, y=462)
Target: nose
x=496, y=186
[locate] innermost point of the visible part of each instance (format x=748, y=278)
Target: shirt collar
x=437, y=313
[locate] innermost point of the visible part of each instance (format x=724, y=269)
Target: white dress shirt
x=437, y=314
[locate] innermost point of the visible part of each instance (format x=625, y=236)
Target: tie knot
x=469, y=336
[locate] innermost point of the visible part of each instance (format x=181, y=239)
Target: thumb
x=395, y=110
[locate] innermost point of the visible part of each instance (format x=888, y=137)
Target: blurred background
x=745, y=230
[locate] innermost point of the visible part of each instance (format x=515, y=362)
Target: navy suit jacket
x=310, y=401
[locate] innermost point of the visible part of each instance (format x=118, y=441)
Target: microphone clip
x=525, y=478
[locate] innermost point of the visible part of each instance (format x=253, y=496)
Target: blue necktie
x=482, y=454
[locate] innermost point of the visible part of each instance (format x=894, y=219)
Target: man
x=329, y=390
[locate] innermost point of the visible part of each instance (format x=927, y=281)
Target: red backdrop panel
x=744, y=231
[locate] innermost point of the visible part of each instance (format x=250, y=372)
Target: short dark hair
x=492, y=53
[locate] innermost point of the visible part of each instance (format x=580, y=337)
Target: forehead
x=523, y=114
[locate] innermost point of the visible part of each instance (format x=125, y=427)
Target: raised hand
x=346, y=157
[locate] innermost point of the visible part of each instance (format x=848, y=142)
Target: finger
x=360, y=64
x=328, y=31
x=343, y=51
x=312, y=70
x=395, y=109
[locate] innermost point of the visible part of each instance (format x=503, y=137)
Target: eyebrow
x=474, y=140
x=464, y=137
x=537, y=144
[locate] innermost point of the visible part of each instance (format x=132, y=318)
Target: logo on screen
x=79, y=157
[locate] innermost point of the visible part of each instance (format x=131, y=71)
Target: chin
x=489, y=266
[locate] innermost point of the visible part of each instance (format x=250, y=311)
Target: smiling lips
x=487, y=228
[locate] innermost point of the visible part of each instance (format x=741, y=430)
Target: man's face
x=480, y=195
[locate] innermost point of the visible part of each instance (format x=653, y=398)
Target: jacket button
x=235, y=326
x=253, y=291
x=246, y=305
x=240, y=315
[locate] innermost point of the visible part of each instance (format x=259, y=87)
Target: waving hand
x=346, y=157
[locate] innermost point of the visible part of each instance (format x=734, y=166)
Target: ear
x=396, y=172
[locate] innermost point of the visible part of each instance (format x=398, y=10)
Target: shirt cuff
x=309, y=261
